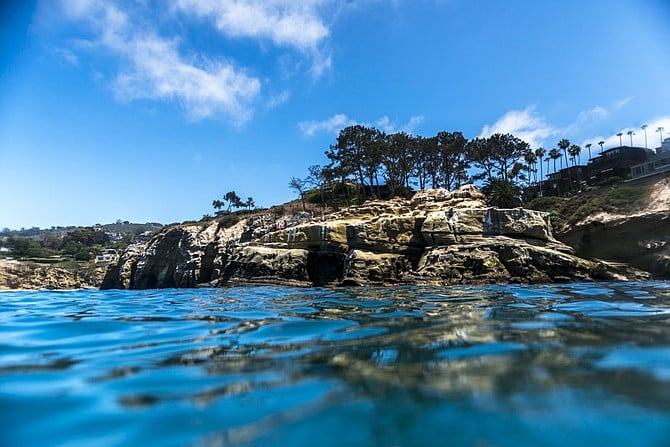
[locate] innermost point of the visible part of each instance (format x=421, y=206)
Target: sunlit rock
x=437, y=236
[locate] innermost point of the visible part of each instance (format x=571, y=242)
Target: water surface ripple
x=578, y=364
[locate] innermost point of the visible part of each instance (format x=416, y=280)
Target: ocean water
x=578, y=364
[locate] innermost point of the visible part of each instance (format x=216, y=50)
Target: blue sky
x=147, y=110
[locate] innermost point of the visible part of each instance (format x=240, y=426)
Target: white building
x=665, y=146
x=107, y=255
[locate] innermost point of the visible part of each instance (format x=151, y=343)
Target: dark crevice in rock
x=325, y=267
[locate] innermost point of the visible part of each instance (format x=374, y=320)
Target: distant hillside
x=120, y=227
x=62, y=244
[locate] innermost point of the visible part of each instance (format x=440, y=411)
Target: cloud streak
x=339, y=121
x=286, y=23
x=330, y=125
x=525, y=124
x=534, y=129
x=151, y=67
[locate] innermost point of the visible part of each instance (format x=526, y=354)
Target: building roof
x=613, y=150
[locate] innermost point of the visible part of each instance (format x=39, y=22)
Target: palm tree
x=588, y=147
x=531, y=159
x=540, y=153
x=601, y=143
x=502, y=193
x=574, y=152
x=564, y=144
x=619, y=135
x=547, y=160
x=630, y=133
x=644, y=127
x=555, y=154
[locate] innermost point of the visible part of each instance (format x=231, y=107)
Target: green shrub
x=228, y=220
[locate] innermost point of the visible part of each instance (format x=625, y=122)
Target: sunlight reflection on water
x=501, y=365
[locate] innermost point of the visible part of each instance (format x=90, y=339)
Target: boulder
x=518, y=222
x=365, y=267
x=267, y=264
x=385, y=234
x=453, y=225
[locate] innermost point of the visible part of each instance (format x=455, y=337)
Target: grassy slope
x=620, y=199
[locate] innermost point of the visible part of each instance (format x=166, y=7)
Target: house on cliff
x=623, y=162
x=658, y=163
x=616, y=162
x=570, y=179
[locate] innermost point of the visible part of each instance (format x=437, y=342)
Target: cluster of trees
x=366, y=162
x=81, y=244
x=78, y=243
x=380, y=164
x=232, y=200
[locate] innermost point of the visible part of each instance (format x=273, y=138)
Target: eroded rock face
x=643, y=241
x=437, y=237
x=30, y=276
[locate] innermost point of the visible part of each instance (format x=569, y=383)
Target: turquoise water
x=578, y=365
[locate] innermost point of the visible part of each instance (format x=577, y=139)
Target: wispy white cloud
x=286, y=23
x=158, y=72
x=595, y=113
x=278, y=99
x=533, y=128
x=66, y=55
x=151, y=67
x=525, y=124
x=330, y=125
x=339, y=121
x=386, y=125
x=622, y=102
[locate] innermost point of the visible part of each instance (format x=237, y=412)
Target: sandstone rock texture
x=16, y=275
x=436, y=237
x=640, y=238
x=643, y=241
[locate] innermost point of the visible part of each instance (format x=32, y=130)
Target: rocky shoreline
x=19, y=275
x=436, y=237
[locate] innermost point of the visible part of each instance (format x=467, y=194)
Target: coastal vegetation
x=71, y=244
x=232, y=200
x=569, y=211
x=366, y=162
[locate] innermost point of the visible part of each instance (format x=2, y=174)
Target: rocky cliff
x=31, y=276
x=639, y=236
x=437, y=237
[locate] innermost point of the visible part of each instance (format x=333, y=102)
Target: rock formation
x=639, y=237
x=436, y=237
x=643, y=241
x=16, y=275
